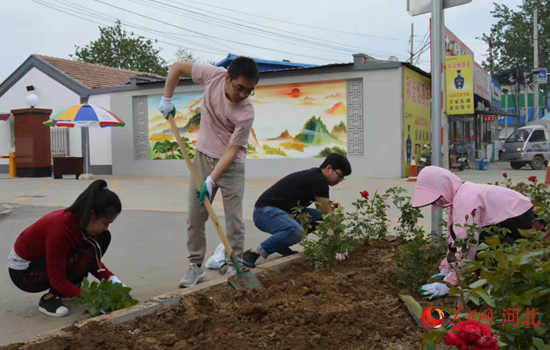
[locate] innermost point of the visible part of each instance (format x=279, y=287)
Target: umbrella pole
x=87, y=150
x=87, y=175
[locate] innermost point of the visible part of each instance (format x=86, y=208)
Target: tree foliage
x=120, y=49
x=512, y=39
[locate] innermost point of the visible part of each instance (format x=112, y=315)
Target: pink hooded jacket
x=493, y=204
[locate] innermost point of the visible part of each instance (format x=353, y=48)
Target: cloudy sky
x=306, y=31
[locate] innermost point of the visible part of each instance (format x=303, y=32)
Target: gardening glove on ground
x=206, y=190
x=167, y=107
x=342, y=256
x=434, y=290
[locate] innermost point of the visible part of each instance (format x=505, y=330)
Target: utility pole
x=437, y=60
x=536, y=70
x=412, y=42
x=491, y=54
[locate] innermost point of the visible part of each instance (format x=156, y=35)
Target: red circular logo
x=429, y=321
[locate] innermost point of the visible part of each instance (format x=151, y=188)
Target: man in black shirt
x=271, y=212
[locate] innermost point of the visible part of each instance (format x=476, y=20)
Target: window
x=520, y=135
x=537, y=136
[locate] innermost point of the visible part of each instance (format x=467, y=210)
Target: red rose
x=505, y=175
x=452, y=339
x=474, y=212
x=472, y=335
x=365, y=194
x=532, y=178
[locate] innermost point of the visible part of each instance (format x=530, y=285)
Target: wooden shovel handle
x=198, y=184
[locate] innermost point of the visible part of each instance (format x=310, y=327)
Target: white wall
x=383, y=100
x=100, y=138
x=383, y=110
x=51, y=95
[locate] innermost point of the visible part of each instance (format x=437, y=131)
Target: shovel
x=243, y=279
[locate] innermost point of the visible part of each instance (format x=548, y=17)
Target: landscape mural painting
x=301, y=120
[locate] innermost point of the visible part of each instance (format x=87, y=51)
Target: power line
x=337, y=45
x=169, y=35
x=317, y=45
x=229, y=25
x=208, y=36
x=298, y=24
x=103, y=25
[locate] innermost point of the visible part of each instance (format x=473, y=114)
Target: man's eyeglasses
x=339, y=175
x=243, y=91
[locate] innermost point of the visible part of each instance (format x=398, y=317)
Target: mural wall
x=302, y=120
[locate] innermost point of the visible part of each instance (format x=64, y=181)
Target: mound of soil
x=352, y=306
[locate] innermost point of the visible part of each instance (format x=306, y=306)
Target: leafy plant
x=419, y=259
x=511, y=284
x=369, y=221
x=105, y=296
x=329, y=239
x=408, y=221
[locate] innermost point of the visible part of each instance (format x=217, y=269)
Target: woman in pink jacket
x=493, y=205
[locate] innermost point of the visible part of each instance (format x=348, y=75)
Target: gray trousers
x=231, y=184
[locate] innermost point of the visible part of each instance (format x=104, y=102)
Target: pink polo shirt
x=222, y=121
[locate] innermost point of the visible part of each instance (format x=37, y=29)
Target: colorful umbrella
x=85, y=115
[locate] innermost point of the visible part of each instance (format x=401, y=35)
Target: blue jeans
x=284, y=230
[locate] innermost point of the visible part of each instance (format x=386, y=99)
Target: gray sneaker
x=230, y=271
x=193, y=276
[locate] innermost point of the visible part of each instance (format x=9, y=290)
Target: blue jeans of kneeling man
x=284, y=230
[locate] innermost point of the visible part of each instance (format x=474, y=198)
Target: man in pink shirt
x=226, y=119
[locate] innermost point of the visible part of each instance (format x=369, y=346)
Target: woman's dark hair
x=98, y=197
x=243, y=66
x=337, y=162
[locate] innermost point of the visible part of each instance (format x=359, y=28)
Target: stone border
x=162, y=301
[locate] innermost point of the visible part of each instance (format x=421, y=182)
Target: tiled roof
x=94, y=76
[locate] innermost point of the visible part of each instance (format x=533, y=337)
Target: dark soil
x=352, y=306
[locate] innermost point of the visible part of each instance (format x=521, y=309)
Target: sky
x=305, y=31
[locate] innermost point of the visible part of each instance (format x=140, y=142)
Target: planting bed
x=352, y=306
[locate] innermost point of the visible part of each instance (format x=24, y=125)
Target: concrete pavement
x=148, y=251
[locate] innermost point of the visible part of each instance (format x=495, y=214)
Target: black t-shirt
x=301, y=186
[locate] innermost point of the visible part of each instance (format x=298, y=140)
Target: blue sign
x=543, y=75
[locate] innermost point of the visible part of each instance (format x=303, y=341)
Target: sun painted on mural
x=302, y=120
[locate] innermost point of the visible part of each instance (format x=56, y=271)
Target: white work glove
x=166, y=106
x=342, y=256
x=115, y=279
x=206, y=190
x=434, y=290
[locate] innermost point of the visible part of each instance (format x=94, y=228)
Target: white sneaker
x=231, y=271
x=193, y=276
x=53, y=307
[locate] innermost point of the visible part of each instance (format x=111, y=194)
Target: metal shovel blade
x=243, y=279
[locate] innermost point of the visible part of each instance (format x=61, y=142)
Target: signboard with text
x=482, y=82
x=459, y=84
